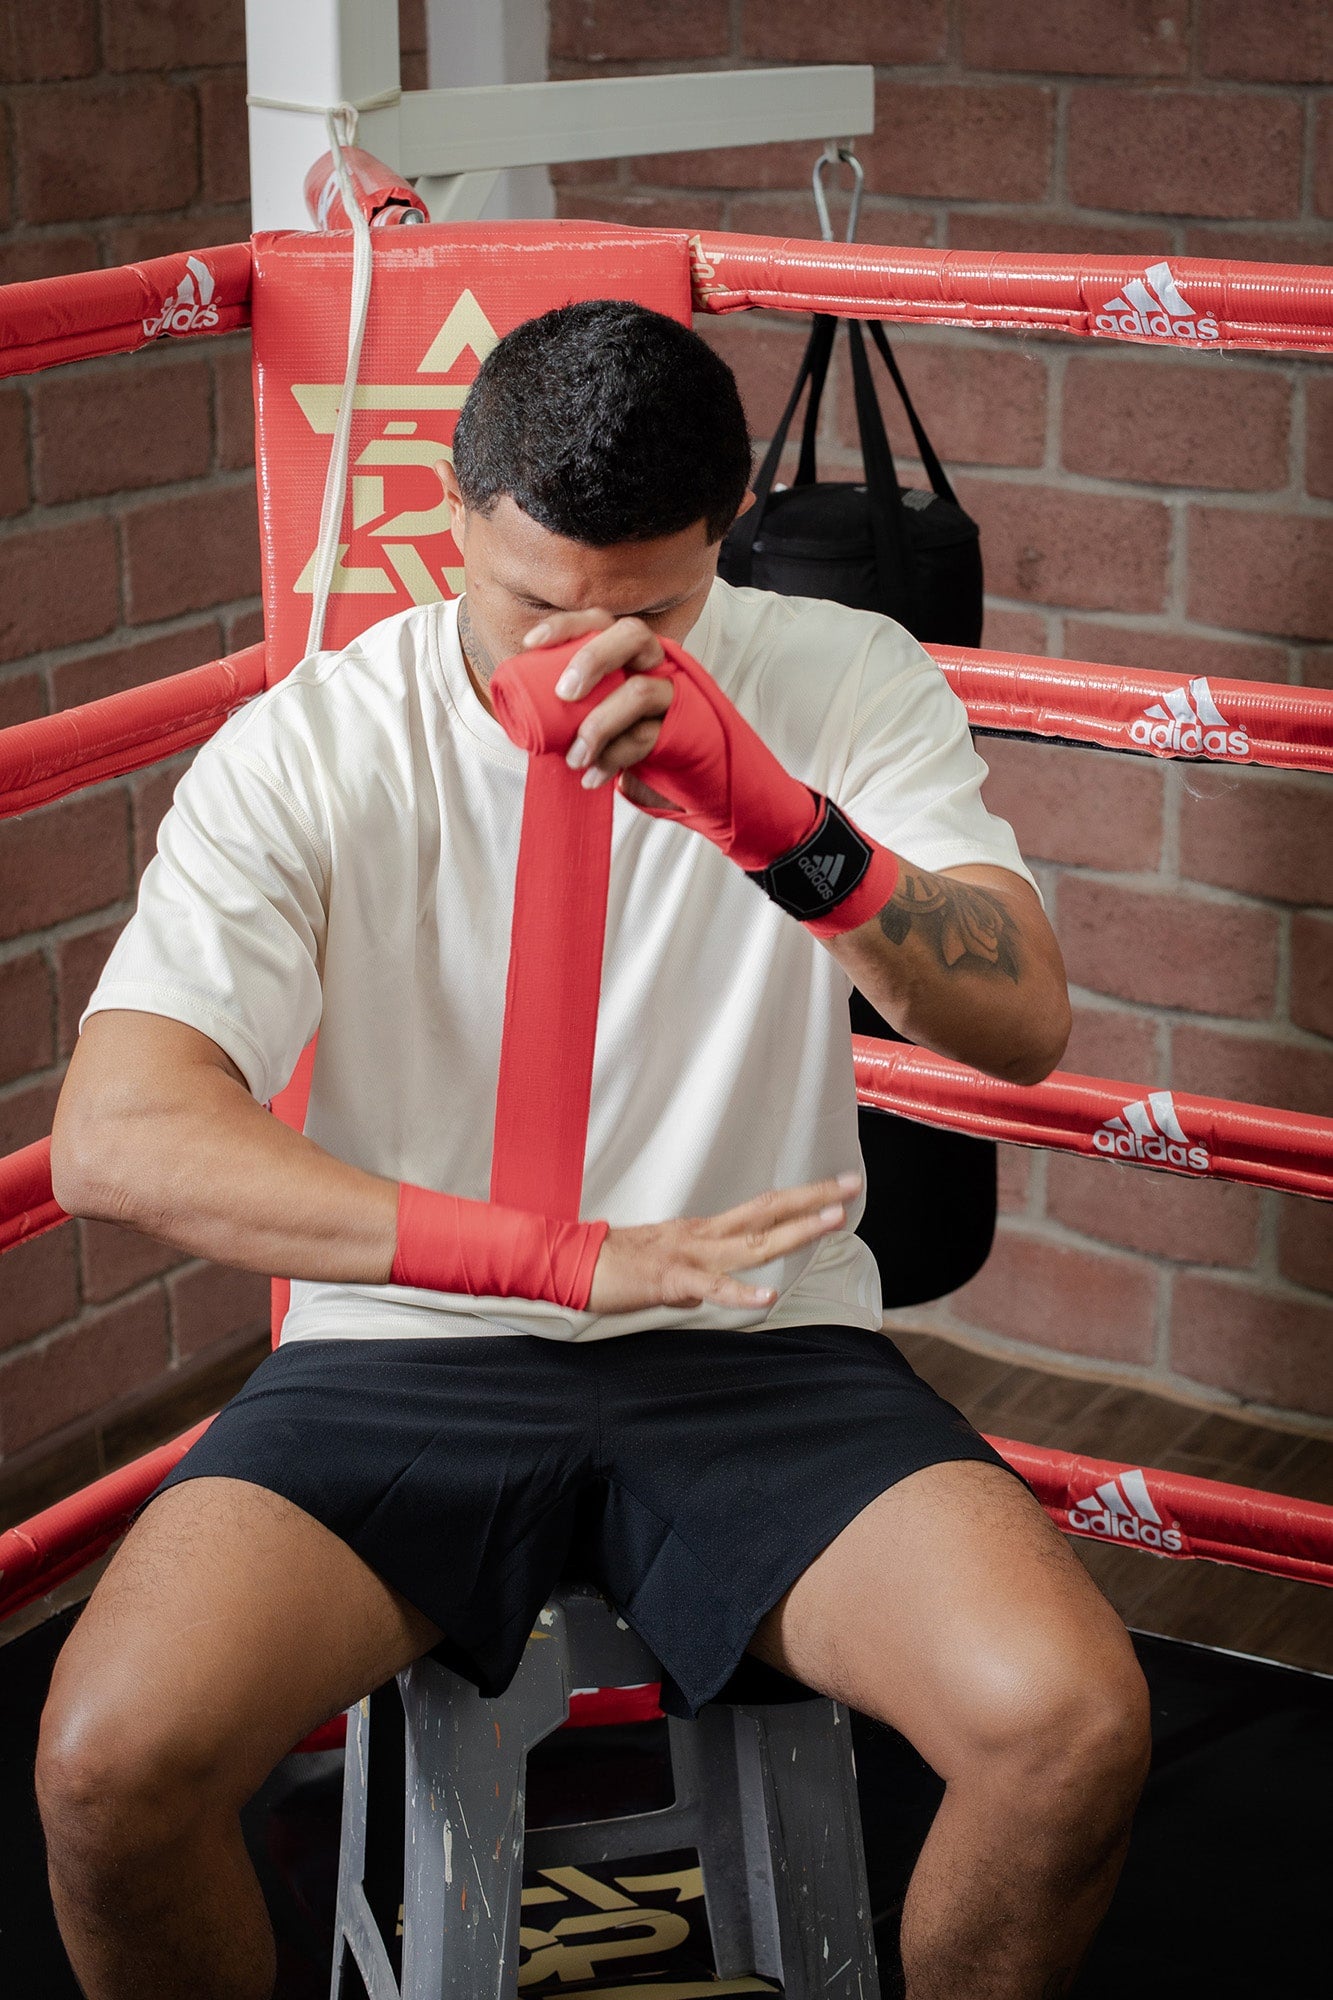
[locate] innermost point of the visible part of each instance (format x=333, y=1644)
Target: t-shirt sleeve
x=913, y=777
x=228, y=933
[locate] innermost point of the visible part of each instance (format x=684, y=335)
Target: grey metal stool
x=766, y=1795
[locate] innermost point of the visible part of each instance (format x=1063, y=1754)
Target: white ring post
x=315, y=52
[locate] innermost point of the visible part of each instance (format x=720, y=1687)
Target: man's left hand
x=622, y=729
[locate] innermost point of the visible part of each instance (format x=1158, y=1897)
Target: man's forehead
x=530, y=560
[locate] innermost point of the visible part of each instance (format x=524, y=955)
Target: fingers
x=612, y=643
x=694, y=1262
x=620, y=730
x=771, y=1226
x=558, y=626
x=779, y=1208
x=623, y=729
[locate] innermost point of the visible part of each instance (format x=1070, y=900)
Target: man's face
x=519, y=572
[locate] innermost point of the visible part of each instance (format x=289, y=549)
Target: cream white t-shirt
x=341, y=857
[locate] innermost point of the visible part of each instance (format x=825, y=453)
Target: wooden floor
x=1207, y=1602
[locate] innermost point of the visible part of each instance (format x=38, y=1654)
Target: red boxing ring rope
x=60, y=1541
x=1153, y=714
x=1200, y=1138
x=1177, y=302
x=1167, y=1131
x=27, y=1206
x=1174, y=1514
x=54, y=755
x=88, y=313
x=1199, y=302
x=1143, y=713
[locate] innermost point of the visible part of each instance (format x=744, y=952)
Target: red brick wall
x=1160, y=510
x=128, y=550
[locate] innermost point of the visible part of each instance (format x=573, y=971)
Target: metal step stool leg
x=466, y=1780
x=804, y=1852
x=705, y=1772
x=356, y=1937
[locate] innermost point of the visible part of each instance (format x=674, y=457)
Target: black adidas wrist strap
x=812, y=879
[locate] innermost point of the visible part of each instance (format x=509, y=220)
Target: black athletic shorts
x=692, y=1476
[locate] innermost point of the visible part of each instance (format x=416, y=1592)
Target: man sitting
x=710, y=1425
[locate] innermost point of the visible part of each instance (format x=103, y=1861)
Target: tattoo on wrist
x=477, y=656
x=967, y=929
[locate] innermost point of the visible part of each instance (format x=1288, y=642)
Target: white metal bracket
x=457, y=197
x=306, y=55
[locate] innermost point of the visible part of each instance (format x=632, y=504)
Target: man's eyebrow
x=646, y=611
x=655, y=610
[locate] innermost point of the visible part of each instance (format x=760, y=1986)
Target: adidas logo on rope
x=1123, y=1511
x=1151, y=1131
x=190, y=308
x=823, y=870
x=1152, y=308
x=1187, y=722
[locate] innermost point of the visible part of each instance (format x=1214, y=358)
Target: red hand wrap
x=447, y=1244
x=533, y=715
x=722, y=780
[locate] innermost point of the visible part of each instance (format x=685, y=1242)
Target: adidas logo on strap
x=823, y=870
x=1188, y=722
x=1150, y=1130
x=1152, y=308
x=190, y=308
x=1123, y=1511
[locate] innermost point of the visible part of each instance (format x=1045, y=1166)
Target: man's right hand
x=693, y=1262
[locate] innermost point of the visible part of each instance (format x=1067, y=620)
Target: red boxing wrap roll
x=384, y=196
x=447, y=1244
x=724, y=782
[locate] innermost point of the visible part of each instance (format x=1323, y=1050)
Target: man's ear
x=453, y=495
x=746, y=503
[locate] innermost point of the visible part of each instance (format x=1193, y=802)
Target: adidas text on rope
x=1187, y=722
x=190, y=307
x=1152, y=308
x=1123, y=1510
x=1150, y=1130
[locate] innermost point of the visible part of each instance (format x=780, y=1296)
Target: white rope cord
x=381, y=100
x=335, y=482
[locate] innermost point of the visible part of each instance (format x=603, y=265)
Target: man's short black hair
x=606, y=423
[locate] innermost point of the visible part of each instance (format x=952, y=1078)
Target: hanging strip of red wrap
x=555, y=946
x=720, y=779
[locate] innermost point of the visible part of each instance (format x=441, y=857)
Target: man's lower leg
x=1010, y=1887
x=184, y=1921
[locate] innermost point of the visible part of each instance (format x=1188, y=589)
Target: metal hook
x=834, y=155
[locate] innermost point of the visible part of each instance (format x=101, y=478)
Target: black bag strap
x=926, y=451
x=806, y=474
x=814, y=367
x=894, y=561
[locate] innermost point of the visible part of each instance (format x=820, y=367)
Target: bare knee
x=1065, y=1732
x=119, y=1780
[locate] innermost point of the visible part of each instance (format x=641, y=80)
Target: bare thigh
x=227, y=1626
x=949, y=1608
